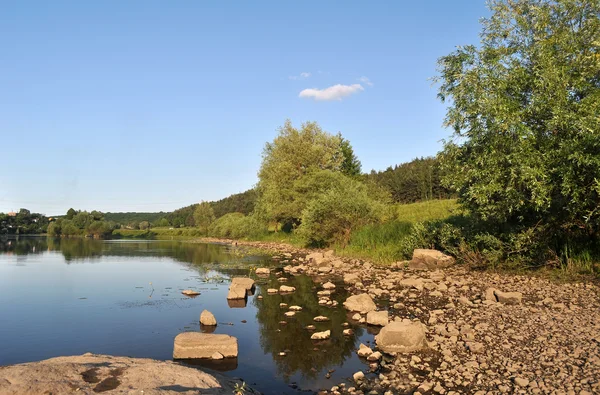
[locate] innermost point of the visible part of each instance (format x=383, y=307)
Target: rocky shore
x=91, y=374
x=485, y=333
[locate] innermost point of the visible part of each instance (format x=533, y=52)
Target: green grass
x=426, y=211
x=132, y=234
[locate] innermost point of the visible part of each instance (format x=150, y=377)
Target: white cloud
x=366, y=81
x=302, y=76
x=335, y=92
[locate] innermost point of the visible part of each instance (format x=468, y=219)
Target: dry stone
x=321, y=335
x=236, y=292
x=401, y=336
x=196, y=345
x=430, y=259
x=362, y=303
x=378, y=318
x=65, y=375
x=207, y=318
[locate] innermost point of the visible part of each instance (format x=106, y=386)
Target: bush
x=332, y=216
x=236, y=226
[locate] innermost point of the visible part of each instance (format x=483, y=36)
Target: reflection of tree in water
x=303, y=357
x=23, y=245
x=199, y=257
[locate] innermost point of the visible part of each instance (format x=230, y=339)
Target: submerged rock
x=89, y=373
x=362, y=303
x=192, y=345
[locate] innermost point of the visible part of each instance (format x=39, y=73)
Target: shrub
x=332, y=216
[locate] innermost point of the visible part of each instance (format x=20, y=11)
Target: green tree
x=71, y=213
x=345, y=206
x=525, y=110
x=293, y=154
x=351, y=166
x=204, y=216
x=144, y=225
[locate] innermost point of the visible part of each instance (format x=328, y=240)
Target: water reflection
x=113, y=308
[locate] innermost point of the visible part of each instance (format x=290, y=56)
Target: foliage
x=134, y=217
x=427, y=210
x=144, y=225
x=236, y=226
x=24, y=222
x=351, y=166
x=237, y=203
x=204, y=216
x=335, y=213
x=294, y=154
x=81, y=223
x=414, y=181
x=525, y=110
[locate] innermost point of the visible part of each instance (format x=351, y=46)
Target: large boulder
x=196, y=345
x=377, y=318
x=430, y=259
x=362, y=303
x=207, y=318
x=401, y=336
x=89, y=374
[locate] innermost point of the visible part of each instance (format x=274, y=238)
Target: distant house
x=12, y=214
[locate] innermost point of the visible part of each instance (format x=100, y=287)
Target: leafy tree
x=293, y=154
x=71, y=213
x=344, y=207
x=417, y=180
x=351, y=166
x=525, y=110
x=204, y=216
x=144, y=225
x=163, y=222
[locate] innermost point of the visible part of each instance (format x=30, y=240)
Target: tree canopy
x=293, y=154
x=525, y=110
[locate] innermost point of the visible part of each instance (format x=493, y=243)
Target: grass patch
x=427, y=211
x=133, y=234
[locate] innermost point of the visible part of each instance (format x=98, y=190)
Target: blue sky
x=152, y=105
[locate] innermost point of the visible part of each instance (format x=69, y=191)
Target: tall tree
x=351, y=166
x=525, y=110
x=204, y=216
x=294, y=154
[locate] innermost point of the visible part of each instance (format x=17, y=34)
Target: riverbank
x=485, y=332
x=91, y=373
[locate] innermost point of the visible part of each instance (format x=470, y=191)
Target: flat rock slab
x=90, y=374
x=401, y=336
x=237, y=292
x=244, y=282
x=196, y=345
x=377, y=318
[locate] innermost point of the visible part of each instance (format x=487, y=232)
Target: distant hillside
x=237, y=203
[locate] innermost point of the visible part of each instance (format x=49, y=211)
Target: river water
x=72, y=296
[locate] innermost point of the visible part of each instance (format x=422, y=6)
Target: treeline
x=414, y=181
x=131, y=218
x=242, y=203
x=82, y=223
x=23, y=222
